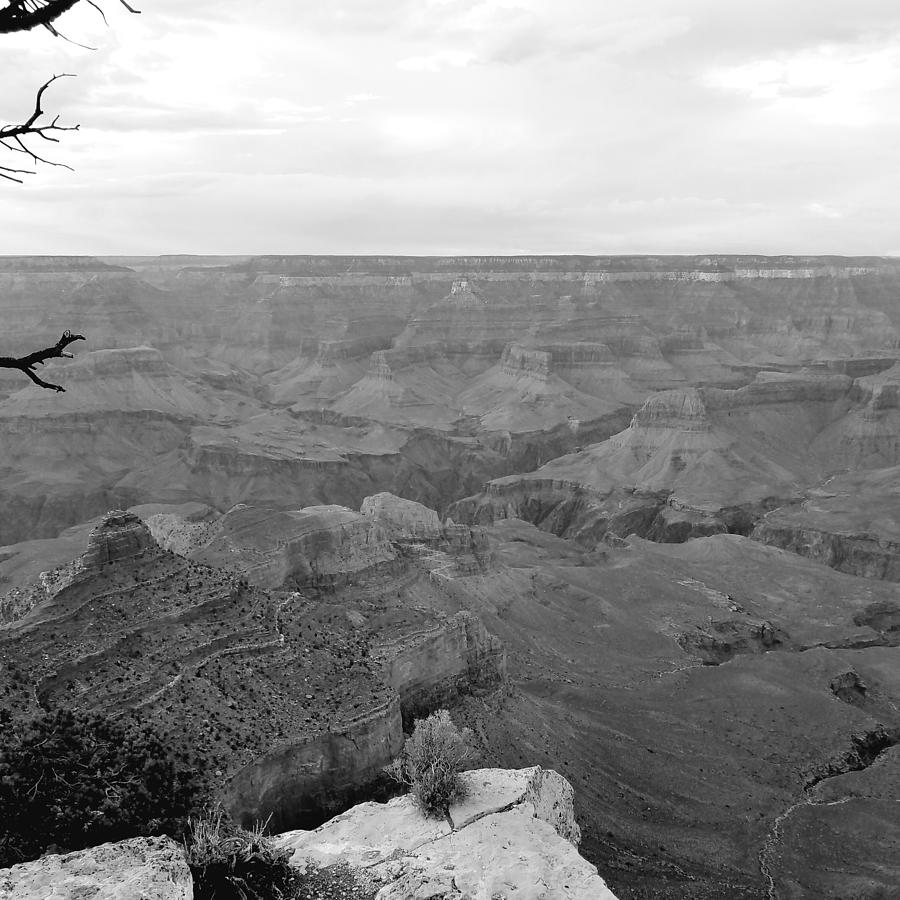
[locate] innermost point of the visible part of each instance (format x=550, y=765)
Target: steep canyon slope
x=294, y=698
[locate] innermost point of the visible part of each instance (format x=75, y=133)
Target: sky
x=463, y=126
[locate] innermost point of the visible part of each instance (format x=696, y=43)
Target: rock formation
x=697, y=461
x=119, y=536
x=145, y=868
x=296, y=699
x=850, y=522
x=514, y=833
x=402, y=519
x=430, y=664
x=316, y=546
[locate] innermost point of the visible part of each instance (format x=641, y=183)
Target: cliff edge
x=513, y=835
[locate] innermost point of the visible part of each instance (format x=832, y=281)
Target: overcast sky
x=464, y=126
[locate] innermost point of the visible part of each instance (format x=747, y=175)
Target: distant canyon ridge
x=292, y=381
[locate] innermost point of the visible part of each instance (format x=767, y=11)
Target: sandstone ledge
x=513, y=836
x=146, y=868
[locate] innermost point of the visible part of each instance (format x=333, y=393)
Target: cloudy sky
x=464, y=126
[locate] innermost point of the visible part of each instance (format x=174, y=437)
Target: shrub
x=232, y=863
x=431, y=761
x=70, y=780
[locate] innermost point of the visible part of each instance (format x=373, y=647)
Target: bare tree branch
x=14, y=137
x=27, y=363
x=23, y=15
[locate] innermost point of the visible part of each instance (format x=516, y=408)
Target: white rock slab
x=493, y=790
x=146, y=868
x=513, y=836
x=511, y=854
x=365, y=835
x=488, y=791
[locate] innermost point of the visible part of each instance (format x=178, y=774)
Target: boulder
x=147, y=868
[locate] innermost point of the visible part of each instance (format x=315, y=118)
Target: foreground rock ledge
x=514, y=836
x=139, y=869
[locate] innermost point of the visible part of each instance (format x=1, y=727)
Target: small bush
x=431, y=761
x=231, y=863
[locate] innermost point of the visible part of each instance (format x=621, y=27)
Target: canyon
x=630, y=518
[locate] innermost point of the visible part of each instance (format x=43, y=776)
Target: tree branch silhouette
x=24, y=15
x=20, y=138
x=27, y=363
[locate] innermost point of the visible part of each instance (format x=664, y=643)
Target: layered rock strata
x=697, y=461
x=402, y=519
x=296, y=700
x=432, y=663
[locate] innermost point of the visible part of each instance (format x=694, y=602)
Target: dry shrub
x=231, y=863
x=431, y=761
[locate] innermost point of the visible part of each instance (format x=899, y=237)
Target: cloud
x=828, y=84
x=363, y=97
x=434, y=62
x=443, y=125
x=823, y=211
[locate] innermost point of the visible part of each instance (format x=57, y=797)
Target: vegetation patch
x=431, y=762
x=232, y=863
x=70, y=780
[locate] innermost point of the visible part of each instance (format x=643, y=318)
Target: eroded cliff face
x=307, y=780
x=432, y=664
x=698, y=461
x=119, y=536
x=865, y=555
x=850, y=522
x=318, y=546
x=402, y=519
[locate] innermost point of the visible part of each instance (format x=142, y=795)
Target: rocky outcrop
x=306, y=781
x=692, y=462
x=721, y=641
x=317, y=545
x=867, y=555
x=514, y=834
x=850, y=522
x=402, y=519
x=519, y=360
x=146, y=868
x=119, y=536
x=432, y=664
